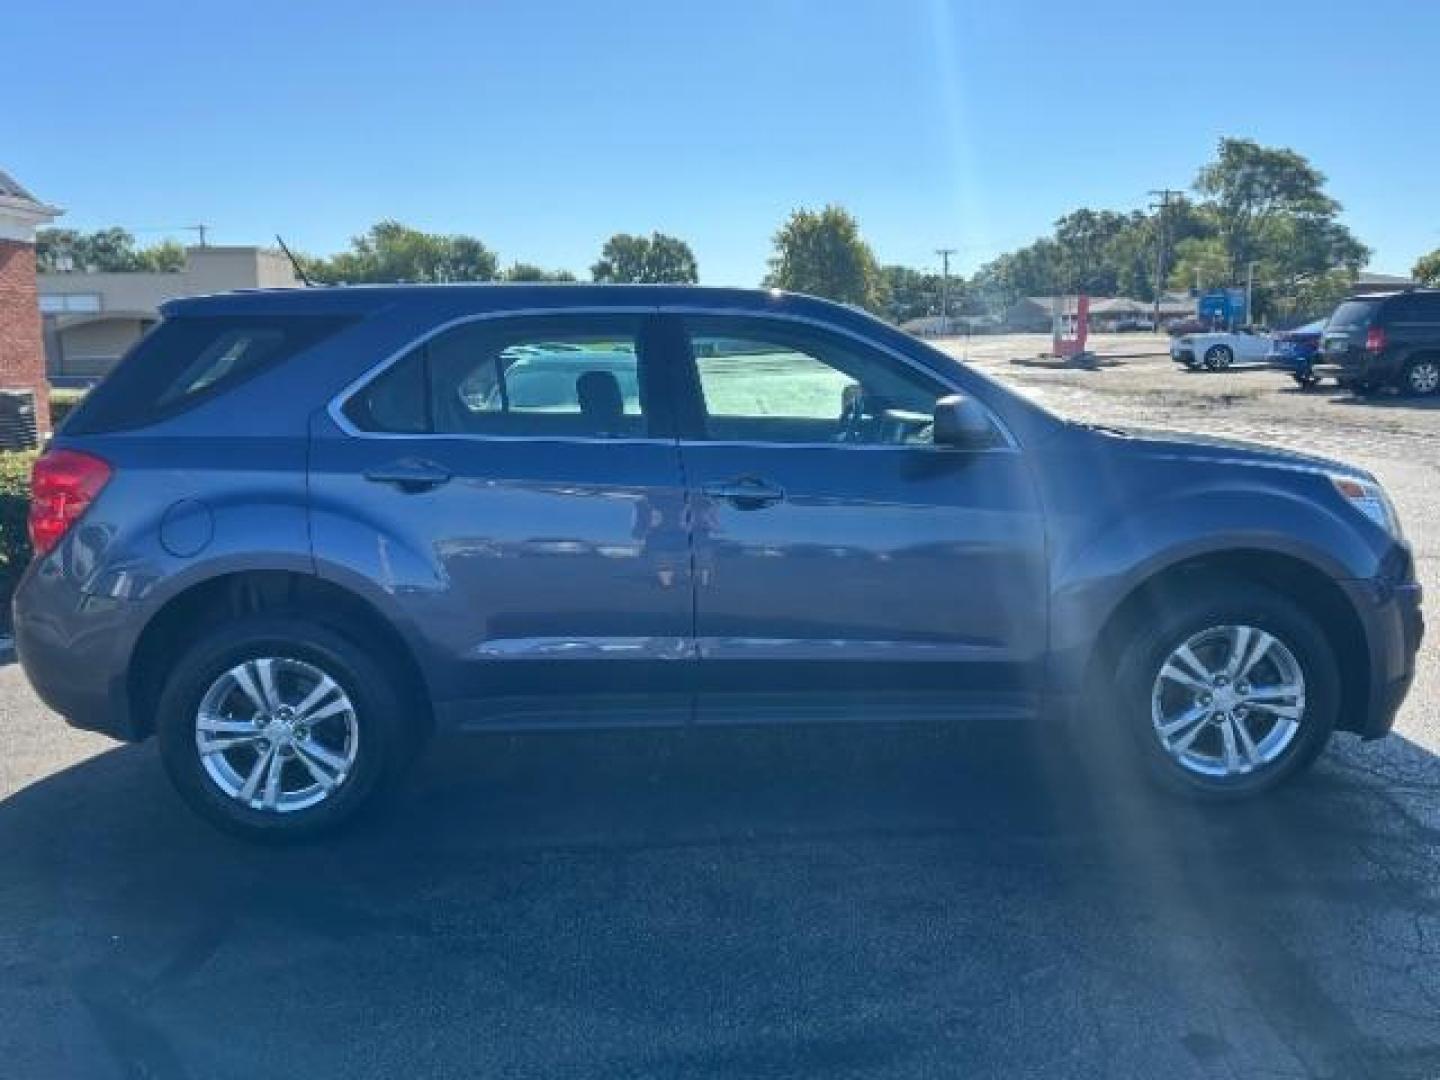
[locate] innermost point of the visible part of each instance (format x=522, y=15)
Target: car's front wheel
x=1228, y=691
x=279, y=729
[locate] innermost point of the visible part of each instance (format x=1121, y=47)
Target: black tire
x=1221, y=602
x=384, y=747
x=1218, y=358
x=1422, y=376
x=1306, y=382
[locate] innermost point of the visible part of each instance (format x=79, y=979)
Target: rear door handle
x=409, y=474
x=746, y=492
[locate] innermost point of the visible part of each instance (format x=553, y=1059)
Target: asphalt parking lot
x=879, y=902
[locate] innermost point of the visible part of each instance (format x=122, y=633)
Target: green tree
x=1257, y=192
x=391, y=252
x=656, y=259
x=520, y=271
x=104, y=250
x=166, y=257
x=913, y=294
x=822, y=253
x=1427, y=269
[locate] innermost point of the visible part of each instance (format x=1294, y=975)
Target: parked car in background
x=1219, y=349
x=1296, y=351
x=1193, y=325
x=1385, y=341
x=296, y=530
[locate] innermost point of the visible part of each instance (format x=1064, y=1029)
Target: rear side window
x=556, y=376
x=185, y=361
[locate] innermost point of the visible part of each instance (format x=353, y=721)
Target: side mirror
x=961, y=421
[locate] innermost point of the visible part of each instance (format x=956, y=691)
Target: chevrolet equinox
x=297, y=531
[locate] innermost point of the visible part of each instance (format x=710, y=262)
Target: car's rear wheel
x=1228, y=691
x=280, y=729
x=1218, y=357
x=1422, y=376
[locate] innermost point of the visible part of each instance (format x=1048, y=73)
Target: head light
x=1370, y=499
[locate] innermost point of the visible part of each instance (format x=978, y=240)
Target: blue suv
x=296, y=531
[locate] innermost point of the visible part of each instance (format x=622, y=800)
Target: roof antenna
x=294, y=263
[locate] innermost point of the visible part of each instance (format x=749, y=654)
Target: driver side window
x=770, y=382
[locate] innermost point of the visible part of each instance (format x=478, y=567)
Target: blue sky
x=543, y=126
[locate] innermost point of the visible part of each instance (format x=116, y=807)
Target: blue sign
x=1224, y=306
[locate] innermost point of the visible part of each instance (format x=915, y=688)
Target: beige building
x=91, y=319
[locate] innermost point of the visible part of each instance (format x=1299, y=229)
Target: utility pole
x=200, y=229
x=945, y=254
x=1164, y=195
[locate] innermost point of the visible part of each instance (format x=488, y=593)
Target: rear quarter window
x=186, y=361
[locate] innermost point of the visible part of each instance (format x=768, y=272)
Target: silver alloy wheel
x=1424, y=376
x=277, y=734
x=1228, y=701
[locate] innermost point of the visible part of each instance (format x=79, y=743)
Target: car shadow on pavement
x=1388, y=401
x=808, y=902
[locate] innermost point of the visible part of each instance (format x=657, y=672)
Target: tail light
x=63, y=484
x=1375, y=339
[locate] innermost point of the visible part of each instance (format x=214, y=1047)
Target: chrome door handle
x=745, y=493
x=409, y=474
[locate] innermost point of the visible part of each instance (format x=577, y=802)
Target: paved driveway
x=813, y=903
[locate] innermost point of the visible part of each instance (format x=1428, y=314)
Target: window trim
x=336, y=406
x=338, y=403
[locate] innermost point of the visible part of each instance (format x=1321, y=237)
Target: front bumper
x=1394, y=625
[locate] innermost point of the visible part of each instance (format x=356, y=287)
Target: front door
x=509, y=485
x=846, y=566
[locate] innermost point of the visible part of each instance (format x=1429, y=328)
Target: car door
x=845, y=566
x=1250, y=346
x=511, y=489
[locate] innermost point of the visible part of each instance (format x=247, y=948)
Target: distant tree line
x=69, y=251
x=1252, y=207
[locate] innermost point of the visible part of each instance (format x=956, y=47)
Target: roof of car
x=1390, y=294
x=479, y=298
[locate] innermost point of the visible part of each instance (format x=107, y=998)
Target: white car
x=1218, y=349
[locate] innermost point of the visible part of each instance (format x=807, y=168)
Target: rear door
x=845, y=565
x=512, y=485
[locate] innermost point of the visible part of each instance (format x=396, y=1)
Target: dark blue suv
x=296, y=531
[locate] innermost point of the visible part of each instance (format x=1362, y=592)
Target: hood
x=1190, y=445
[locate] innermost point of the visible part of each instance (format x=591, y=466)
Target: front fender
x=1095, y=571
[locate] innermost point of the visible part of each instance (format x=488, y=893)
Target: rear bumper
x=1362, y=369
x=75, y=650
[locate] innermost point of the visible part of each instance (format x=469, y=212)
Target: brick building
x=22, y=349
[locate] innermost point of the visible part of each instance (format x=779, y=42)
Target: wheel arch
x=228, y=596
x=1308, y=586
